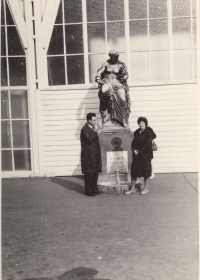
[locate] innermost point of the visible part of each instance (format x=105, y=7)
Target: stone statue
x=114, y=92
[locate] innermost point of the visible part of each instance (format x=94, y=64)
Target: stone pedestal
x=116, y=157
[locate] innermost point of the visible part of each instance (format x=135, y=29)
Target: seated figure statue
x=114, y=92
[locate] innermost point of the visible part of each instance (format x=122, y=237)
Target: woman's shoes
x=144, y=191
x=130, y=192
x=152, y=176
x=134, y=191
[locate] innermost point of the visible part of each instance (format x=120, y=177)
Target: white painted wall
x=171, y=111
x=57, y=116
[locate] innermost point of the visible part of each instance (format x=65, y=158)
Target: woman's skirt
x=141, y=167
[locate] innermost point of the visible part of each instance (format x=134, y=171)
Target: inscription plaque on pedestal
x=117, y=160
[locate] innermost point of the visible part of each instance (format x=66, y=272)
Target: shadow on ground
x=69, y=185
x=80, y=273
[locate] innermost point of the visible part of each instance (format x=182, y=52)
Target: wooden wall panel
x=171, y=112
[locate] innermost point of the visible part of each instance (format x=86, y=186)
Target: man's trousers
x=91, y=183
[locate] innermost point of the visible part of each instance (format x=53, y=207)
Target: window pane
x=181, y=37
x=157, y=8
x=98, y=7
x=116, y=37
x=159, y=68
x=115, y=9
x=56, y=43
x=22, y=160
x=21, y=138
x=17, y=69
x=180, y=7
x=75, y=69
x=56, y=70
x=95, y=62
x=194, y=64
x=5, y=134
x=2, y=14
x=73, y=11
x=14, y=44
x=122, y=57
x=96, y=37
x=137, y=9
x=158, y=34
x=59, y=18
x=139, y=66
x=9, y=18
x=194, y=31
x=4, y=79
x=194, y=7
x=74, y=38
x=3, y=42
x=138, y=35
x=6, y=160
x=19, y=105
x=182, y=65
x=4, y=105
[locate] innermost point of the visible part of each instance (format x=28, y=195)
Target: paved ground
x=51, y=230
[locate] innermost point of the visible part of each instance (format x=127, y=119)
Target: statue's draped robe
x=118, y=108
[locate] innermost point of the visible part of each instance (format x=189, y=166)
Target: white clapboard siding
x=63, y=161
x=73, y=139
x=70, y=120
x=66, y=171
x=63, y=114
x=163, y=153
x=171, y=112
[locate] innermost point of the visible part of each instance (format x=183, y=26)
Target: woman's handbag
x=154, y=146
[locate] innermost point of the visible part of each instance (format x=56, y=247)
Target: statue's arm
x=125, y=77
x=98, y=77
x=124, y=72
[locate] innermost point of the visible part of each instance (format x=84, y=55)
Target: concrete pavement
x=51, y=230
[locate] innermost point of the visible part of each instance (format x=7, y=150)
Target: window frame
x=87, y=84
x=22, y=29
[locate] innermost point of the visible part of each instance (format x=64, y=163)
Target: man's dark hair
x=143, y=119
x=90, y=115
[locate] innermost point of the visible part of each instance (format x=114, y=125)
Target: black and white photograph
x=100, y=125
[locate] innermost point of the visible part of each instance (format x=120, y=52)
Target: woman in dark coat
x=142, y=155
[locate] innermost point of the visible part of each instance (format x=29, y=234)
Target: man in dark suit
x=90, y=155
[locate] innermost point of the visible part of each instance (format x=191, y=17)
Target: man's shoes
x=90, y=194
x=97, y=192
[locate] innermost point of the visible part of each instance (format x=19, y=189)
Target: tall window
x=13, y=59
x=184, y=56
x=105, y=31
x=156, y=39
x=15, y=136
x=15, y=139
x=149, y=40
x=65, y=53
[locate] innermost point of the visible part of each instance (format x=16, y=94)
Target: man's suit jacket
x=90, y=151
